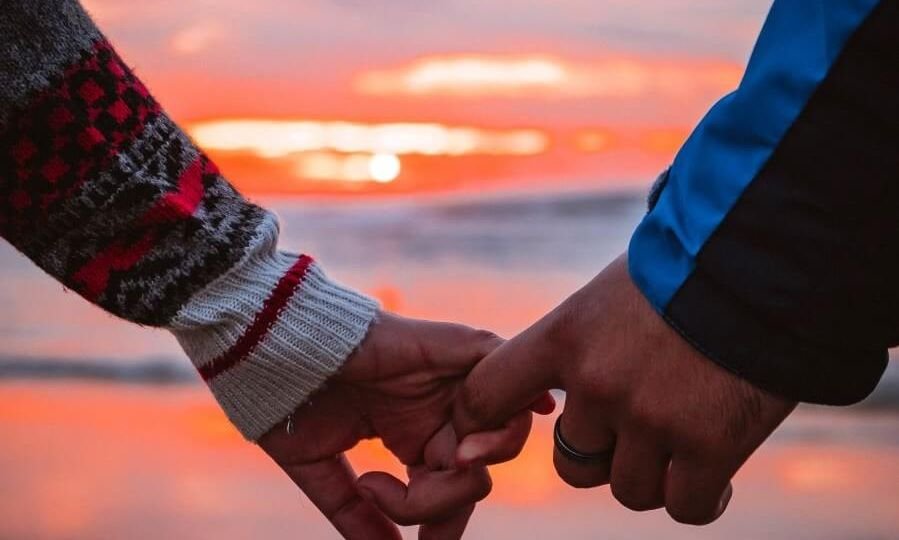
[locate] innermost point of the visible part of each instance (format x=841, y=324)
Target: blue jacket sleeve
x=772, y=246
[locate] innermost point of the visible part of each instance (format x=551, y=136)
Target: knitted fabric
x=104, y=192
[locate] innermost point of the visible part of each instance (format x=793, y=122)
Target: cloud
x=543, y=75
x=468, y=74
x=281, y=138
x=197, y=37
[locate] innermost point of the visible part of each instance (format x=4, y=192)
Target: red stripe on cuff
x=262, y=323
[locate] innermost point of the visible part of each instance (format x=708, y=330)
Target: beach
x=88, y=460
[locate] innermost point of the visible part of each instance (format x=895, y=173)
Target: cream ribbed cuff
x=306, y=342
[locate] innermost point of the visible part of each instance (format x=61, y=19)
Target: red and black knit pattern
x=68, y=135
x=195, y=231
x=106, y=206
x=106, y=193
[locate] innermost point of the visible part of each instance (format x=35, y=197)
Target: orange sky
x=369, y=97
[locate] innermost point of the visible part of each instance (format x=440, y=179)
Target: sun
x=384, y=168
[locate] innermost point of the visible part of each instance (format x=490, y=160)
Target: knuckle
x=591, y=377
x=405, y=514
x=481, y=340
x=558, y=329
x=413, y=513
x=650, y=418
x=690, y=516
x=404, y=520
x=578, y=476
x=713, y=449
x=695, y=440
x=704, y=445
x=487, y=336
x=591, y=381
x=556, y=332
x=634, y=497
x=473, y=401
x=578, y=481
x=347, y=508
x=587, y=379
x=483, y=487
x=506, y=453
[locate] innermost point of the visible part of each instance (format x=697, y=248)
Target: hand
x=680, y=425
x=398, y=386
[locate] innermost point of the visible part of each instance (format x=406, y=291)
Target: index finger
x=331, y=486
x=507, y=381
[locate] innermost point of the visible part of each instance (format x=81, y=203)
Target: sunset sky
x=373, y=97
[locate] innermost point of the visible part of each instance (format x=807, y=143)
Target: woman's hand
x=399, y=386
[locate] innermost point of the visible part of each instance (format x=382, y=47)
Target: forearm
x=103, y=191
x=772, y=246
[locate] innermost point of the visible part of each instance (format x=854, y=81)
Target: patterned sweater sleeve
x=105, y=193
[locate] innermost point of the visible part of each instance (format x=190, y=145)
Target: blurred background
x=463, y=160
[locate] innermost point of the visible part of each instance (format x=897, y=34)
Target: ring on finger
x=571, y=453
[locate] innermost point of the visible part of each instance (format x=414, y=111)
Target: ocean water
x=106, y=431
x=498, y=263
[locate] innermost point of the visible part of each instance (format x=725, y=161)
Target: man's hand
x=399, y=386
x=680, y=425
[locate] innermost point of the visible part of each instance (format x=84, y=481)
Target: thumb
x=507, y=381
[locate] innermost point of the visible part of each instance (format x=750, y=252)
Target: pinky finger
x=331, y=485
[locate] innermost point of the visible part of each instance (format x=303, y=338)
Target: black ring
x=570, y=453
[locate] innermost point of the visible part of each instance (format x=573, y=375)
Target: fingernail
x=467, y=454
x=549, y=404
x=725, y=500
